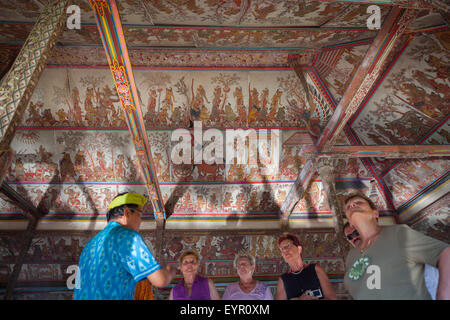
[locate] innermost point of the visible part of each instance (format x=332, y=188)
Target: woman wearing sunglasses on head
x=303, y=281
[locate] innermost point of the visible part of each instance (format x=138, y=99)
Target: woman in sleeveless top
x=193, y=286
x=303, y=281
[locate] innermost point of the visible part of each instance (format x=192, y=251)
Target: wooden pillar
x=325, y=168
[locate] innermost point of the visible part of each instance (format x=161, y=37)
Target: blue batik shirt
x=112, y=263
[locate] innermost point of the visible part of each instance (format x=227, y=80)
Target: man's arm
x=162, y=277
x=443, y=290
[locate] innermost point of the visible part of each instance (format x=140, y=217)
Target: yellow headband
x=128, y=198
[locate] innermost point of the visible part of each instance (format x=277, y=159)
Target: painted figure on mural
x=89, y=106
x=197, y=103
x=262, y=115
x=213, y=204
x=77, y=111
x=67, y=168
x=241, y=110
x=107, y=100
x=274, y=104
x=73, y=199
x=228, y=202
x=229, y=115
x=216, y=111
x=151, y=105
x=255, y=106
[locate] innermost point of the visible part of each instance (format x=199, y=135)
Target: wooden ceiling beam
x=111, y=32
x=18, y=85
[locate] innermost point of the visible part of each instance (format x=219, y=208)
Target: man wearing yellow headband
x=117, y=258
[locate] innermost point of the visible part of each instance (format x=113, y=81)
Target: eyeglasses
x=352, y=235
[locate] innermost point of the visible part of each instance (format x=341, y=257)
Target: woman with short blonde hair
x=246, y=288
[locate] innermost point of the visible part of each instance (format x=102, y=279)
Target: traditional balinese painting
x=434, y=220
x=412, y=175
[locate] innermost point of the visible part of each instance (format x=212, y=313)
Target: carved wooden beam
x=297, y=190
x=367, y=74
x=325, y=168
x=20, y=82
x=110, y=28
x=382, y=151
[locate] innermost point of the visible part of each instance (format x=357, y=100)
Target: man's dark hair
x=117, y=212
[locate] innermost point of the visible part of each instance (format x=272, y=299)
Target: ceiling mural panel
x=413, y=98
x=441, y=134
x=412, y=175
x=434, y=220
x=336, y=67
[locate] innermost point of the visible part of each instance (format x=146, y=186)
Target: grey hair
x=243, y=255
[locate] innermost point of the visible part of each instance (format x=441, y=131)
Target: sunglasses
x=352, y=235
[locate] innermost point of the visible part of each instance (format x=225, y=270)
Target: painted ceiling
x=231, y=61
x=228, y=64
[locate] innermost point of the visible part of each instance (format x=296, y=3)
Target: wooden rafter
x=110, y=29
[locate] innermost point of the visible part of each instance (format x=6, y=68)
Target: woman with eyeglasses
x=247, y=288
x=193, y=286
x=303, y=281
